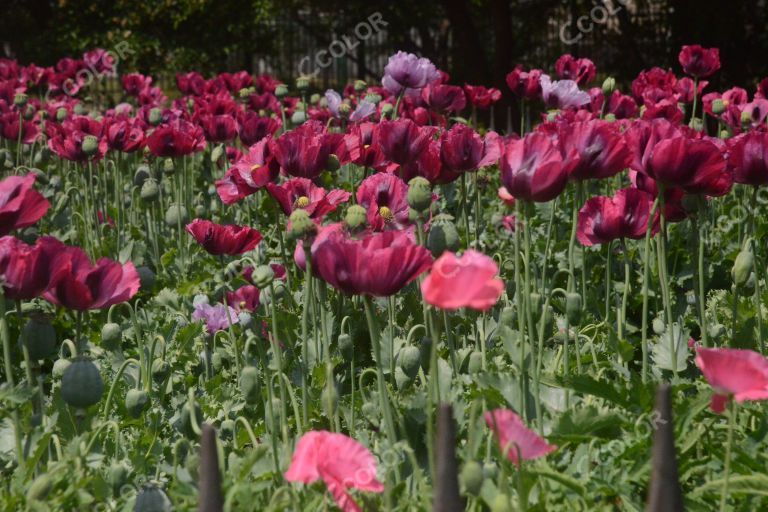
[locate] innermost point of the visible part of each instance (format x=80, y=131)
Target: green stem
x=623, y=314
x=728, y=448
x=308, y=305
x=700, y=290
x=373, y=332
x=646, y=277
x=6, y=338
x=520, y=305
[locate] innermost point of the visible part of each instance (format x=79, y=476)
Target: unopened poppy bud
x=475, y=364
x=136, y=400
x=443, y=235
x=20, y=99
x=298, y=117
x=501, y=502
x=302, y=83
x=333, y=163
x=262, y=276
x=315, y=99
x=168, y=166
x=658, y=326
x=150, y=191
x=386, y=110
x=419, y=194
x=471, y=477
x=281, y=91
x=155, y=116
x=344, y=342
x=61, y=114
x=507, y=317
x=110, y=334
x=176, y=215
x=409, y=360
x=718, y=107
x=360, y=86
x=90, y=145
x=372, y=98
x=249, y=384
x=742, y=267
x=302, y=225
x=609, y=85
x=573, y=308
x=356, y=217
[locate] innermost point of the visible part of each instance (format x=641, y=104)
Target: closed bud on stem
x=155, y=116
x=609, y=85
x=302, y=225
x=90, y=145
x=281, y=91
x=20, y=99
x=262, y=276
x=443, y=235
x=419, y=194
x=302, y=83
x=742, y=267
x=573, y=308
x=718, y=107
x=356, y=217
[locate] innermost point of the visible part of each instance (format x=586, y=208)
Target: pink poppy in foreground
x=532, y=168
x=469, y=281
x=219, y=239
x=742, y=374
x=339, y=461
x=20, y=204
x=302, y=193
x=24, y=269
x=515, y=439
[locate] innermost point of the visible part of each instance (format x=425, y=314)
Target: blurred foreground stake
x=664, y=494
x=209, y=491
x=447, y=498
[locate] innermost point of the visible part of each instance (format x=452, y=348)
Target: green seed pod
x=227, y=429
x=443, y=235
x=150, y=191
x=111, y=334
x=262, y=276
x=718, y=106
x=118, y=476
x=507, y=317
x=160, y=370
x=40, y=488
x=302, y=83
x=356, y=217
x=39, y=337
x=250, y=385
x=298, y=117
x=658, y=326
x=152, y=499
x=302, y=225
x=387, y=109
x=409, y=360
x=742, y=267
x=333, y=163
x=81, y=384
x=155, y=116
x=345, y=345
x=146, y=277
x=169, y=168
x=281, y=91
x=501, y=503
x=330, y=399
x=372, y=98
x=176, y=215
x=475, y=364
x=136, y=401
x=573, y=308
x=61, y=114
x=471, y=477
x=419, y=194
x=90, y=145
x=142, y=174
x=20, y=99
x=490, y=470
x=59, y=367
x=609, y=85
x=79, y=109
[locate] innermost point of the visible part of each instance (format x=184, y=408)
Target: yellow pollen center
x=386, y=213
x=255, y=167
x=726, y=103
x=366, y=146
x=302, y=202
x=242, y=303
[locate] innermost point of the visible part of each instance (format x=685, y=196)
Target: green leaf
x=740, y=484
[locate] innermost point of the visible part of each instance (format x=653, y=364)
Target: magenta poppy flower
x=220, y=239
x=699, y=62
x=480, y=96
x=236, y=81
x=402, y=143
x=594, y=149
x=302, y=193
x=11, y=125
x=124, y=135
x=175, y=139
x=516, y=440
x=380, y=264
x=358, y=146
x=250, y=173
x=219, y=128
x=654, y=78
x=443, y=98
x=134, y=83
x=20, y=204
x=696, y=166
x=245, y=298
x=582, y=71
x=305, y=151
x=525, y=84
x=69, y=146
x=24, y=269
x=642, y=136
x=254, y=127
x=470, y=281
x=741, y=374
x=191, y=84
x=532, y=168
x=78, y=284
x=462, y=149
x=409, y=73
x=339, y=461
x=625, y=215
x=749, y=159
x=100, y=61
x=385, y=198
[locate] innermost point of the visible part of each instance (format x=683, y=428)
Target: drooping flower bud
x=262, y=276
x=573, y=307
x=150, y=191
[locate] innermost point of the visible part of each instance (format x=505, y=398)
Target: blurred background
x=476, y=41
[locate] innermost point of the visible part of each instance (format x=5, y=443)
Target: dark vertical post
x=447, y=498
x=664, y=494
x=210, y=498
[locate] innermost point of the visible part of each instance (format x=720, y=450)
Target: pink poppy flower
x=20, y=204
x=515, y=439
x=220, y=239
x=339, y=461
x=742, y=374
x=469, y=281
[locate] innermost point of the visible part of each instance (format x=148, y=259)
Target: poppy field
x=243, y=294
